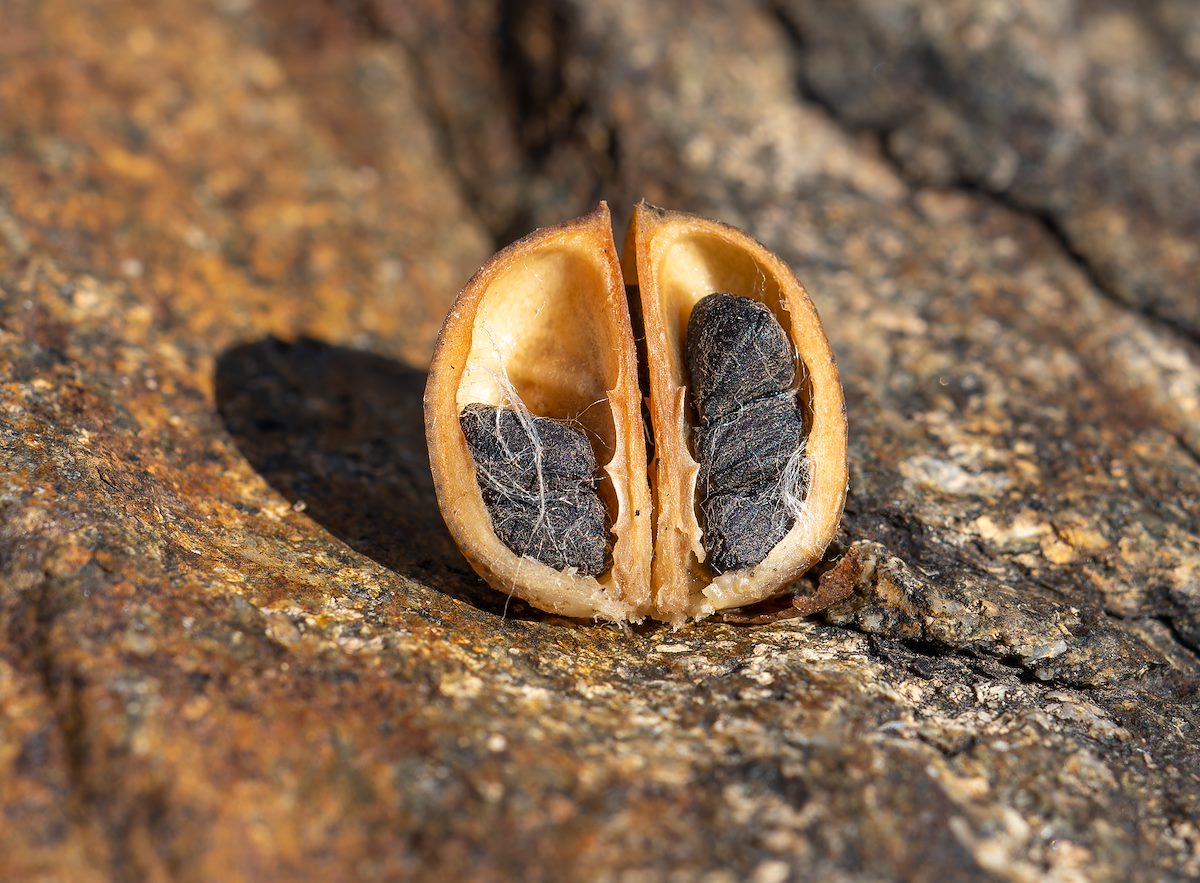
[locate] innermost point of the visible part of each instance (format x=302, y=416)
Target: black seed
x=741, y=367
x=506, y=452
x=568, y=531
x=741, y=527
x=537, y=477
x=749, y=447
x=737, y=352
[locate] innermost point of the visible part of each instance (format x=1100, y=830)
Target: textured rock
x=236, y=641
x=1083, y=113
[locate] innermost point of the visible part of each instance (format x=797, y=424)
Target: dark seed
x=569, y=531
x=506, y=451
x=741, y=527
x=537, y=477
x=737, y=352
x=742, y=367
x=749, y=447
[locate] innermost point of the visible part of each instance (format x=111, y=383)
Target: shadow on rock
x=342, y=430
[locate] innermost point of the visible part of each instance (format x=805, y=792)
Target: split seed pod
x=543, y=330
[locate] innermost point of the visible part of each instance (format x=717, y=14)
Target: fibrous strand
x=742, y=367
x=565, y=529
x=537, y=476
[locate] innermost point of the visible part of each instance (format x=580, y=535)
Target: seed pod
x=749, y=471
x=542, y=331
x=677, y=260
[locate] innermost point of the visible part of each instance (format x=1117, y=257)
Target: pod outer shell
x=622, y=593
x=675, y=259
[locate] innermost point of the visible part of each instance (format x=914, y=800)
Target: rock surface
x=235, y=639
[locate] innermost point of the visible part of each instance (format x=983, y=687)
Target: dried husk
x=676, y=259
x=547, y=318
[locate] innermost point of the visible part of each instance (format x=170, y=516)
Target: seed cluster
x=537, y=475
x=742, y=367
